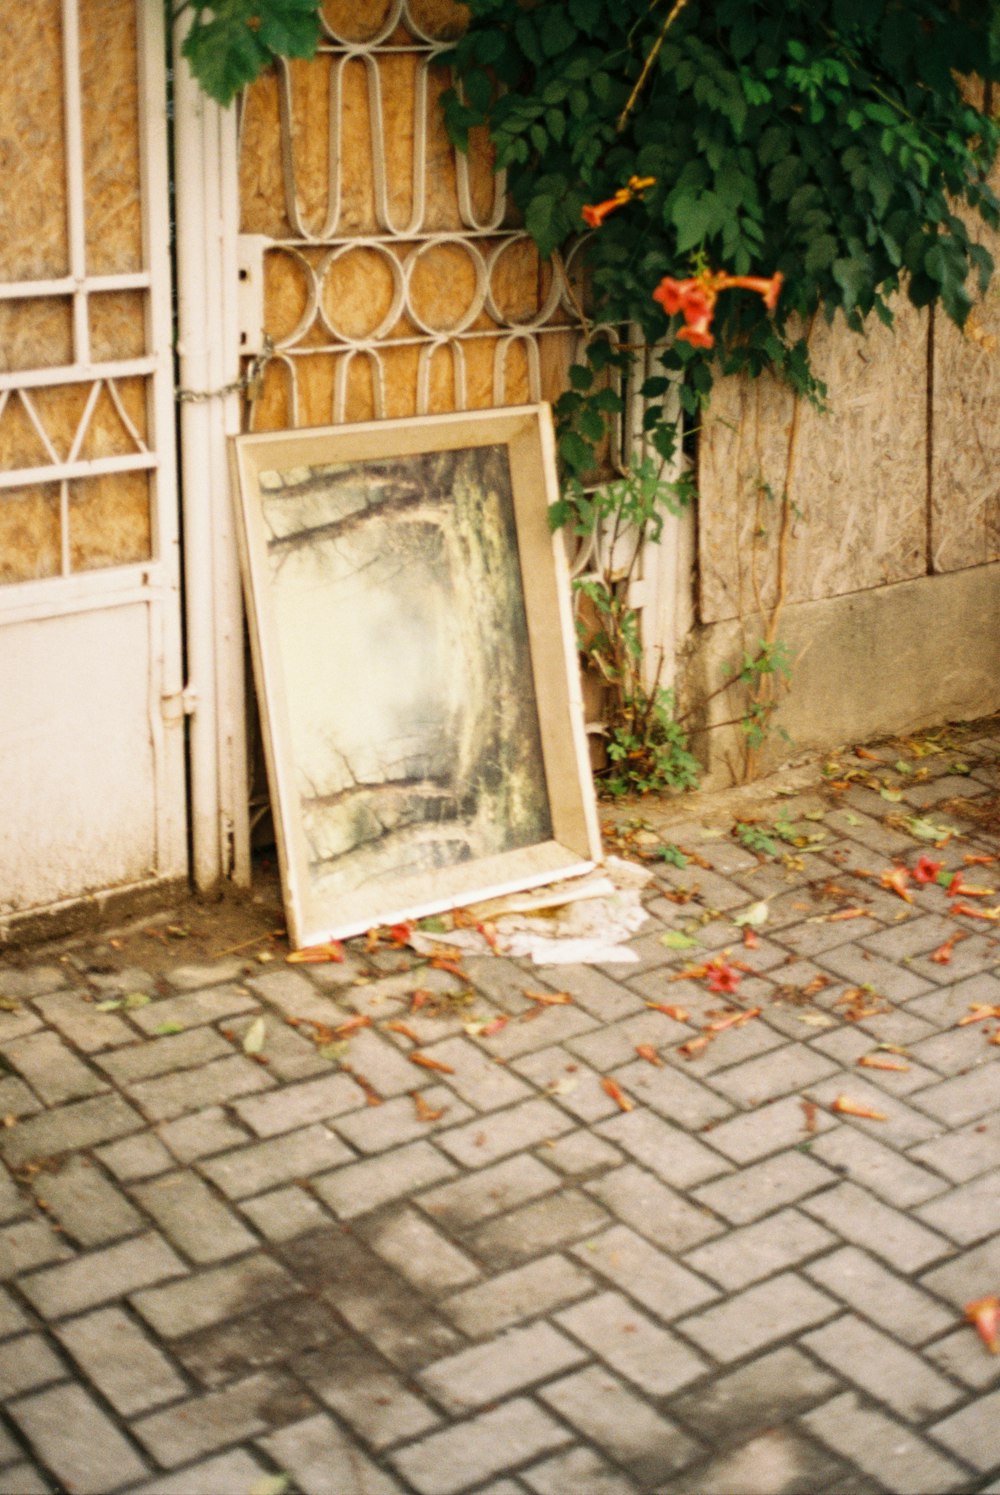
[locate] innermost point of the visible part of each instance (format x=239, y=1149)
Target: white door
x=92, y=797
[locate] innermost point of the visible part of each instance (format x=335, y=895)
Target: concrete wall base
x=870, y=664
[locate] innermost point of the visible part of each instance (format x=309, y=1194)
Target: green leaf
x=557, y=34
x=136, y=999
x=164, y=1029
x=674, y=939
x=110, y=1004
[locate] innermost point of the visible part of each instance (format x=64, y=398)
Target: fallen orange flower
x=647, y=1052
x=371, y=1095
x=317, y=954
x=618, y=1095
x=549, y=998
x=495, y=1026
x=722, y=977
x=978, y=1013
x=734, y=1020
x=695, y=1046
x=345, y=1029
x=406, y=1032
x=878, y=1061
x=966, y=909
x=679, y=1014
x=750, y=939
x=845, y=913
x=926, y=869
x=942, y=955
x=984, y=1313
x=424, y=1111
x=846, y=1107
x=895, y=881
x=426, y=1062
x=980, y=861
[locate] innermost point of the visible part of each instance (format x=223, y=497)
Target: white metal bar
x=77, y=373
x=69, y=471
x=76, y=226
x=65, y=285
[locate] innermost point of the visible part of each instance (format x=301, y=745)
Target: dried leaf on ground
x=984, y=1313
x=881, y=1061
x=617, y=1094
x=679, y=1014
x=424, y=1111
x=647, y=1052
x=315, y=955
x=844, y=1106
x=549, y=998
x=426, y=1062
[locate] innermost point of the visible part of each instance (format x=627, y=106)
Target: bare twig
x=647, y=65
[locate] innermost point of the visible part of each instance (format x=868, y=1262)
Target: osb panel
x=107, y=435
x=109, y=521
x=441, y=20
x=109, y=84
x=351, y=22
x=20, y=443
x=60, y=408
x=29, y=533
x=358, y=291
x=36, y=333
x=965, y=435
x=32, y=169
x=117, y=324
x=858, y=483
x=262, y=199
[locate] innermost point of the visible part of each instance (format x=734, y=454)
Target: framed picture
x=415, y=662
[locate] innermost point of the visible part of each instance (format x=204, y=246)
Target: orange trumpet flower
x=984, y=1313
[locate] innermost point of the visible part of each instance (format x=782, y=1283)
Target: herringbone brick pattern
x=331, y=1271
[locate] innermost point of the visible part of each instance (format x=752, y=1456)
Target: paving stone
x=9, y=1450
x=27, y=1480
x=192, y=1218
x=771, y=1389
x=574, y=1085
x=672, y=1094
x=203, y=1133
x=614, y=1045
x=30, y=1243
x=756, y=1251
x=960, y=1279
x=953, y=1052
x=276, y=1331
x=191, y=1429
x=424, y=1257
x=960, y=1354
x=32, y=981
x=221, y=1475
x=600, y=995
x=653, y=1278
x=857, y=1216
x=370, y=1398
x=13, y=1203
x=510, y=1362
x=487, y=1139
x=136, y=1157
x=299, y=1105
x=74, y=1439
x=251, y=1170
x=295, y=995
x=171, y=1095
x=581, y=1153
x=196, y=1009
x=859, y=1156
x=882, y=1447
x=654, y=1209
x=968, y=1213
x=375, y=1129
x=670, y=1153
x=12, y=1320
x=359, y=1187
x=770, y=1128
x=523, y=1293
x=209, y=973
x=477, y=1080
x=104, y=975
x=964, y=1098
x=745, y=1322
x=944, y=1008
x=16, y=1100
x=323, y=1461
x=551, y=1026
x=913, y=937
x=92, y=1210
x=125, y=1366
x=27, y=1363
x=792, y=1067
x=213, y=1295
x=289, y=1055
x=76, y=1017
x=779, y=1461
x=962, y=1155
x=616, y=1332
x=17, y=1024
x=468, y=1201
x=460, y=1457
x=82, y=1124
x=536, y=1228
x=891, y=1302
x=98, y=1276
x=376, y=1301
x=142, y=1061
x=888, y=978
x=763, y=1187
x=285, y=1213
x=578, y=1469
x=903, y=1125
x=650, y=1447
x=883, y=1368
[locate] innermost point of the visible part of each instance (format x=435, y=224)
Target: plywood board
x=858, y=483
x=110, y=100
x=33, y=244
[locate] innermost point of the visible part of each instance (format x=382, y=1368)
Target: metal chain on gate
x=250, y=383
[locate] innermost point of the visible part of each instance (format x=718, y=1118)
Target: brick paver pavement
x=244, y=1254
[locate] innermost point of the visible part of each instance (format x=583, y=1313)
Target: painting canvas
x=415, y=666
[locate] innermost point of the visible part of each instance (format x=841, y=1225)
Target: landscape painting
x=402, y=695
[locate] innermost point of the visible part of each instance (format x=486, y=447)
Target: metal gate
x=92, y=797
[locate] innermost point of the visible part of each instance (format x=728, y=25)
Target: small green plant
x=755, y=838
x=646, y=747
